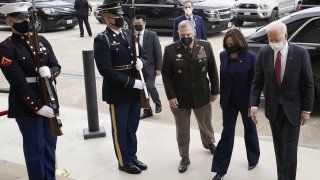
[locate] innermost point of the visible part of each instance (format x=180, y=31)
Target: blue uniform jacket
x=110, y=56
x=237, y=83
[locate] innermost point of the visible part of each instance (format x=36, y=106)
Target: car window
x=310, y=33
x=311, y=2
x=261, y=35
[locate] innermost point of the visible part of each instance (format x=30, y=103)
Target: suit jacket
x=200, y=30
x=152, y=47
x=296, y=89
x=235, y=84
x=81, y=7
x=186, y=78
x=112, y=57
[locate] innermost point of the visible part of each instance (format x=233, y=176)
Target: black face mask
x=186, y=40
x=22, y=27
x=231, y=49
x=138, y=27
x=118, y=22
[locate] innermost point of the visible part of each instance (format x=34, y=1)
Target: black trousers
x=285, y=140
x=84, y=19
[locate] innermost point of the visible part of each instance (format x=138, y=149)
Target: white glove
x=44, y=71
x=139, y=64
x=138, y=84
x=46, y=111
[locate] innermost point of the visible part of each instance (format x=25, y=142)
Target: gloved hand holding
x=44, y=71
x=138, y=84
x=46, y=111
x=139, y=64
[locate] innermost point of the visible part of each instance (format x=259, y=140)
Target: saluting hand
x=174, y=103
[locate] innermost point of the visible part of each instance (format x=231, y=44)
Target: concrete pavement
x=95, y=159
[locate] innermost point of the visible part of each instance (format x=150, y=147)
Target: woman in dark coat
x=236, y=74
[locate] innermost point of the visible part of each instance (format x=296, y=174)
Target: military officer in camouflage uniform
x=120, y=89
x=186, y=64
x=18, y=65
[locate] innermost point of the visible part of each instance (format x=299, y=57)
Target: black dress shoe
x=252, y=167
x=130, y=168
x=218, y=176
x=146, y=113
x=158, y=109
x=212, y=148
x=81, y=35
x=183, y=167
x=140, y=164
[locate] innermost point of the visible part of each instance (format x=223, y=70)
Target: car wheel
x=70, y=27
x=40, y=25
x=238, y=22
x=274, y=16
x=127, y=23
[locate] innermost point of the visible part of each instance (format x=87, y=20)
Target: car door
x=286, y=6
x=308, y=37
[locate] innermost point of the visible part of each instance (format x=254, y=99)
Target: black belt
x=123, y=67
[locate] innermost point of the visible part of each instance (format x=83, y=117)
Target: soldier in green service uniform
x=187, y=64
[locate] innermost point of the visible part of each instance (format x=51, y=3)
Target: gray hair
x=277, y=25
x=185, y=24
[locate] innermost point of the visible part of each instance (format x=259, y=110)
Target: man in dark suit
x=188, y=67
x=82, y=11
x=149, y=40
x=283, y=72
x=196, y=21
x=112, y=53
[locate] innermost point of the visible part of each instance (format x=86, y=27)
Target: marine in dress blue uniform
x=18, y=65
x=120, y=89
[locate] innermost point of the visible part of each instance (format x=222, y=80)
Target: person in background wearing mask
x=82, y=11
x=197, y=22
x=112, y=53
x=236, y=74
x=187, y=64
x=149, y=40
x=283, y=72
x=25, y=103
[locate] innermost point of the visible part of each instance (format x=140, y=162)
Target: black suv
x=309, y=4
x=50, y=14
x=304, y=30
x=160, y=14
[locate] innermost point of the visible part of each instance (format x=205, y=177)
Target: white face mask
x=188, y=11
x=277, y=46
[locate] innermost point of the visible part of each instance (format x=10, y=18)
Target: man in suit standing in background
x=149, y=40
x=196, y=20
x=82, y=11
x=283, y=71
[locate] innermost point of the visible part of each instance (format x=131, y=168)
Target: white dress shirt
x=141, y=37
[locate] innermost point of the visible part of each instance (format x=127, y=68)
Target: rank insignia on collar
x=5, y=61
x=179, y=55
